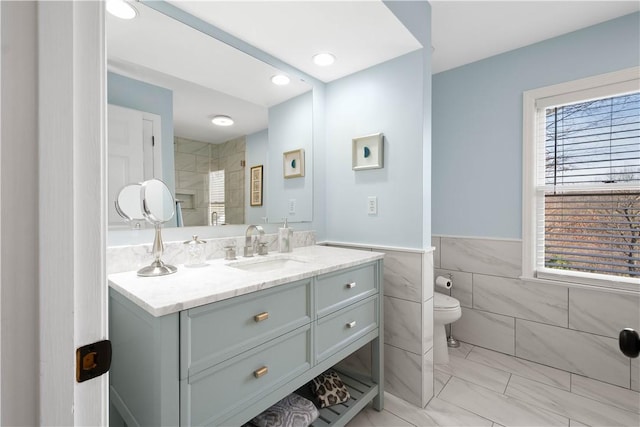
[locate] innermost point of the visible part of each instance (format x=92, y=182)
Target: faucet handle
x=263, y=249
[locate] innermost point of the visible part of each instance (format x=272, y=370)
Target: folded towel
x=329, y=389
x=292, y=411
x=179, y=221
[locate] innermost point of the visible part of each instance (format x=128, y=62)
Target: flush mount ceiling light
x=280, y=80
x=323, y=59
x=121, y=9
x=222, y=121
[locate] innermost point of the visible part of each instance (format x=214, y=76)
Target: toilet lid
x=444, y=302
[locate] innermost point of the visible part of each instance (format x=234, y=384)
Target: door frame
x=72, y=212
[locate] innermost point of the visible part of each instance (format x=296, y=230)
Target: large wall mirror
x=166, y=82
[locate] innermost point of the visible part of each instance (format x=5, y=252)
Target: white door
x=72, y=208
x=125, y=150
x=134, y=152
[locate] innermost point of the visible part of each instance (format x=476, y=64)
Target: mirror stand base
x=157, y=268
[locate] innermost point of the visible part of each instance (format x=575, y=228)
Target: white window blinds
x=588, y=186
x=216, y=198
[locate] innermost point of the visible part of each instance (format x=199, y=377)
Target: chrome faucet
x=252, y=247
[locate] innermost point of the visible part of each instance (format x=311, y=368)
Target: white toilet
x=446, y=310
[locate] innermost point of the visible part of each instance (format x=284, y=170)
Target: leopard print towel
x=329, y=389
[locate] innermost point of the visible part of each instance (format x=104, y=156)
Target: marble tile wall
x=192, y=165
x=231, y=157
x=193, y=162
x=593, y=356
x=408, y=325
x=134, y=257
x=569, y=328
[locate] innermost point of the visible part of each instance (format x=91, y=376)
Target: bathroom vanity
x=218, y=344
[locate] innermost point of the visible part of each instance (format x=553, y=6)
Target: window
x=216, y=198
x=581, y=219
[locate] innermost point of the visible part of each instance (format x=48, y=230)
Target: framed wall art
x=367, y=152
x=256, y=186
x=293, y=163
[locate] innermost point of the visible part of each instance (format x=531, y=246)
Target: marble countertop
x=218, y=279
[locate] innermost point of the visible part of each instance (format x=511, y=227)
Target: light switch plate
x=292, y=206
x=372, y=205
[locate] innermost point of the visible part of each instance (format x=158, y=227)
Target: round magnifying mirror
x=128, y=203
x=158, y=204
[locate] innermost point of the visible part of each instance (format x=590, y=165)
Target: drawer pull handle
x=351, y=285
x=262, y=316
x=260, y=372
x=351, y=324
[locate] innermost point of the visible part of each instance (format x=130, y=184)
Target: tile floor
x=480, y=387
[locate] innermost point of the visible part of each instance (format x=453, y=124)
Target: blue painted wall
x=290, y=128
x=477, y=123
x=386, y=98
x=130, y=93
x=392, y=98
x=416, y=17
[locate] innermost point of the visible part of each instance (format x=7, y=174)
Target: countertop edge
x=122, y=282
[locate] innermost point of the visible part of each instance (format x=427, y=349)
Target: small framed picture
x=368, y=152
x=293, y=162
x=256, y=186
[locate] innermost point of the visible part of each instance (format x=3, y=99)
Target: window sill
x=628, y=286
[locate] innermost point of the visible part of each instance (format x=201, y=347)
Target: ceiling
x=359, y=33
x=364, y=33
x=468, y=31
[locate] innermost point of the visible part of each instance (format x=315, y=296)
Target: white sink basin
x=267, y=264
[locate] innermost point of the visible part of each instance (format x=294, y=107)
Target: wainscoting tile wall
x=578, y=352
x=502, y=295
x=408, y=325
x=588, y=308
x=569, y=328
x=494, y=331
x=493, y=257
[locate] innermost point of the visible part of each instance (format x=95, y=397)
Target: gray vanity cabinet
x=225, y=362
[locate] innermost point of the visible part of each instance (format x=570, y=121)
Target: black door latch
x=93, y=360
x=629, y=342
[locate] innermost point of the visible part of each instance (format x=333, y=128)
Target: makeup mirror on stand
x=128, y=205
x=158, y=207
x=151, y=200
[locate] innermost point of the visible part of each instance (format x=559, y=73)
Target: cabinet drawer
x=217, y=393
x=337, y=290
x=344, y=327
x=213, y=333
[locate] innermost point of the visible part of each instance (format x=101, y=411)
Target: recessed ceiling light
x=280, y=80
x=121, y=9
x=222, y=121
x=324, y=59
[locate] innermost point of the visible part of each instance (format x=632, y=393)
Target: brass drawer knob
x=262, y=316
x=260, y=372
x=351, y=324
x=351, y=285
